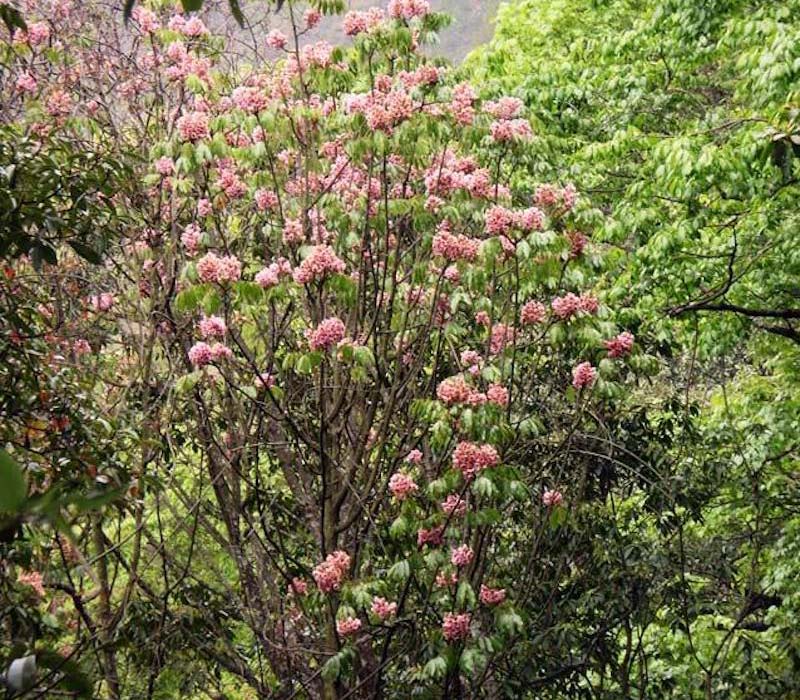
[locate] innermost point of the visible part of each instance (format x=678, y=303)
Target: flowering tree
x=345, y=361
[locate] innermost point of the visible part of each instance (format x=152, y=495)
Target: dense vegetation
x=337, y=372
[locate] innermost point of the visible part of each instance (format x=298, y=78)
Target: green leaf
x=13, y=489
x=191, y=5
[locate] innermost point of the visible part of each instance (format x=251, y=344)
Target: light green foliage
x=679, y=120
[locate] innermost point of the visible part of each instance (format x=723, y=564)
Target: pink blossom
x=511, y=130
x=293, y=231
x=298, y=586
x=265, y=199
x=498, y=220
x=193, y=126
x=566, y=306
x=505, y=108
x=329, y=573
x=102, y=302
x=194, y=27
x=454, y=505
x=446, y=579
x=402, y=486
x=453, y=390
x=81, y=347
x=312, y=17
x=38, y=33
x=461, y=104
x=532, y=312
x=470, y=458
x=276, y=39
x=620, y=345
x=588, y=303
x=583, y=375
x=348, y=626
x=26, y=82
x=500, y=337
x=552, y=498
x=462, y=556
x=146, y=19
x=200, y=354
x=327, y=334
x=454, y=247
x=204, y=207
x=414, y=457
x=492, y=596
x=212, y=327
x=577, y=244
x=34, y=579
x=165, y=166
x=497, y=394
x=432, y=536
x=408, y=9
x=213, y=268
x=383, y=608
x=456, y=626
x=320, y=262
x=482, y=319
x=190, y=238
x=249, y=99
x=59, y=103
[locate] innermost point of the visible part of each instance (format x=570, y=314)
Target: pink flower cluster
x=571, y=304
x=497, y=394
x=492, y=596
x=201, y=354
x=34, y=579
x=330, y=573
x=470, y=458
x=414, y=457
x=500, y=220
x=454, y=505
x=277, y=40
x=532, y=312
x=146, y=19
x=220, y=269
x=454, y=247
x=193, y=126
x=383, y=608
x=320, y=262
x=583, y=375
x=102, y=302
x=462, y=103
x=327, y=334
x=620, y=345
x=456, y=626
x=358, y=22
x=432, y=536
x=271, y=275
x=553, y=197
x=552, y=498
x=164, y=166
x=505, y=108
x=190, y=238
x=382, y=110
x=408, y=9
x=577, y=244
x=402, y=486
x=249, y=99
x=511, y=130
x=212, y=327
x=348, y=626
x=500, y=337
x=462, y=556
x=266, y=200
